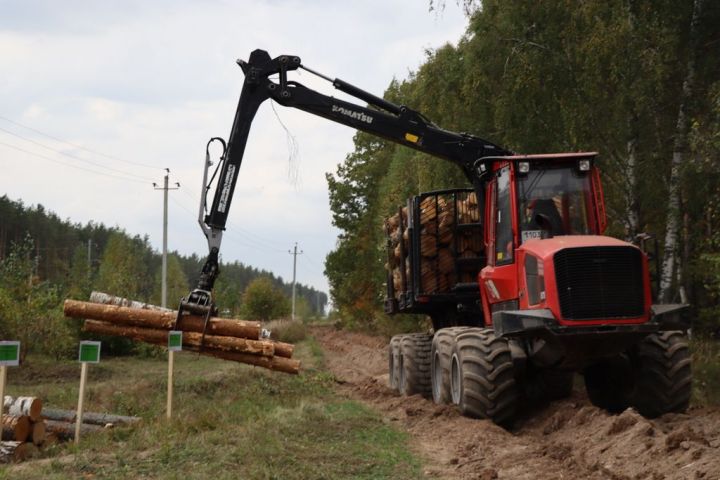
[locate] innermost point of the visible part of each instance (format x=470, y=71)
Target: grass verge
x=230, y=421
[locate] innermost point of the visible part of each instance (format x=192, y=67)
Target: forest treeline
x=44, y=259
x=636, y=80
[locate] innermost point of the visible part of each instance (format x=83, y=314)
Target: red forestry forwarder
x=522, y=288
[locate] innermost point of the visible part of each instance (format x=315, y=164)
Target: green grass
x=706, y=371
x=230, y=422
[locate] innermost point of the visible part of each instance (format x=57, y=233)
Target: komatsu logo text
x=354, y=115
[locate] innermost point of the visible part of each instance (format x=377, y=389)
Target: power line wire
x=69, y=164
x=229, y=234
x=75, y=157
x=111, y=157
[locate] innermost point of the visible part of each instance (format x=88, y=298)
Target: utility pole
x=89, y=255
x=165, y=189
x=294, y=253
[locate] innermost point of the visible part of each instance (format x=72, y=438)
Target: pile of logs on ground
x=442, y=241
x=61, y=423
x=228, y=339
x=23, y=429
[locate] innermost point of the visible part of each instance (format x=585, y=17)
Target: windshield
x=555, y=201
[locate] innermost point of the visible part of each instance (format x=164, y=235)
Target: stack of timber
x=442, y=241
x=228, y=339
x=23, y=428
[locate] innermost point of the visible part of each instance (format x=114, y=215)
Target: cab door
x=498, y=280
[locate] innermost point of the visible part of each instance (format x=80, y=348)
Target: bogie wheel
x=609, y=383
x=663, y=374
x=414, y=365
x=482, y=376
x=440, y=356
x=394, y=361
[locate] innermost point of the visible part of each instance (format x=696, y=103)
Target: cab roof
x=543, y=156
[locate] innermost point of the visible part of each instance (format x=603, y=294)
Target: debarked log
x=190, y=339
x=276, y=363
x=161, y=319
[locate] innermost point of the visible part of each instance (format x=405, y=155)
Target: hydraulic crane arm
x=396, y=123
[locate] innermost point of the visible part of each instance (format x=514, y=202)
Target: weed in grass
x=706, y=370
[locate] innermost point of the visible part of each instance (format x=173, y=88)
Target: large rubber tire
x=663, y=374
x=415, y=364
x=483, y=377
x=440, y=355
x=394, y=362
x=547, y=385
x=610, y=383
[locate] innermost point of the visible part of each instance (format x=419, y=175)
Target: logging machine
x=522, y=287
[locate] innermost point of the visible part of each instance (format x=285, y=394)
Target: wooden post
x=81, y=400
x=3, y=377
x=171, y=365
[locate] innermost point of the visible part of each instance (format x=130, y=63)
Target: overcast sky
x=97, y=97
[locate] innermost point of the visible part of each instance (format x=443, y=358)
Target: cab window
x=503, y=218
x=555, y=201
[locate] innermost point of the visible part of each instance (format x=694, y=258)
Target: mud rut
x=569, y=439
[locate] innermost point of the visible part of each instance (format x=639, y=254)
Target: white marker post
x=174, y=345
x=89, y=353
x=9, y=357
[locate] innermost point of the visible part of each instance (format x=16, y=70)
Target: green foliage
x=289, y=331
x=177, y=284
x=123, y=270
x=29, y=309
x=263, y=301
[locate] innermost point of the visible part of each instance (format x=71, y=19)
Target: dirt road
x=569, y=439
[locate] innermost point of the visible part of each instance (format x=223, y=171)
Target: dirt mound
x=568, y=439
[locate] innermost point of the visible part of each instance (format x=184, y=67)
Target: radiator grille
x=600, y=282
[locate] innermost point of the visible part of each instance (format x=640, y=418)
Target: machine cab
x=529, y=199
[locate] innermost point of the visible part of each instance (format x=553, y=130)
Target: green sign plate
x=10, y=353
x=89, y=352
x=175, y=340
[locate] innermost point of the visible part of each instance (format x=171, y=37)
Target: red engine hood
x=546, y=248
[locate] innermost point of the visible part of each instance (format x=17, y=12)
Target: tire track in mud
x=568, y=439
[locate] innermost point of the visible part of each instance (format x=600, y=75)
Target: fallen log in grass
x=101, y=419
x=66, y=430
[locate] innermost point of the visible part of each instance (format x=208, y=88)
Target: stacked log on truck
x=440, y=220
x=229, y=339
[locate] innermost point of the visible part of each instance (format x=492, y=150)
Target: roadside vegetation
x=229, y=421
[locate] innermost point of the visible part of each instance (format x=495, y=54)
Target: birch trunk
x=672, y=223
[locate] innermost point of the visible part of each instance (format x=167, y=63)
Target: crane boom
x=382, y=118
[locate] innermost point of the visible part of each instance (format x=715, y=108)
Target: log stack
x=441, y=241
x=228, y=339
x=23, y=428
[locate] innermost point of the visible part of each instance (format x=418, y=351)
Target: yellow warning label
x=411, y=138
